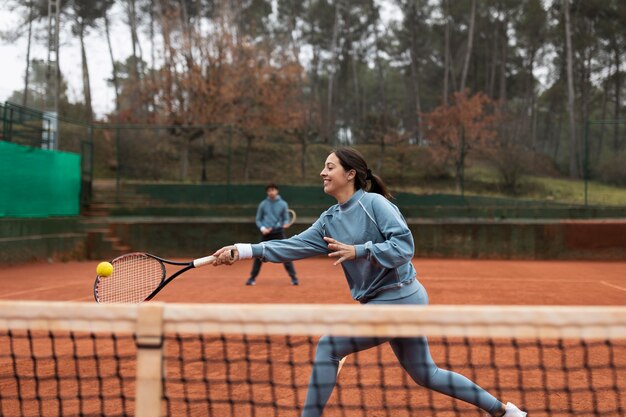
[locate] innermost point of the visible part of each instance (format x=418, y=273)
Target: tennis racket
x=292, y=217
x=138, y=277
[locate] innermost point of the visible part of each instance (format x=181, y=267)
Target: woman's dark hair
x=350, y=158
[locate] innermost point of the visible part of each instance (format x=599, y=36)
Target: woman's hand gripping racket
x=138, y=277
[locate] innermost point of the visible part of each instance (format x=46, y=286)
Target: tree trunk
x=573, y=171
x=470, y=42
x=186, y=28
x=184, y=158
x=531, y=98
x=605, y=100
x=136, y=47
x=85, y=71
x=167, y=62
x=136, y=69
x=505, y=42
x=304, y=143
x=316, y=106
x=331, y=79
x=548, y=130
x=460, y=170
x=618, y=103
x=494, y=63
x=152, y=71
x=152, y=32
x=414, y=76
x=246, y=159
x=355, y=80
x=116, y=85
x=316, y=99
x=557, y=142
x=383, y=101
x=585, y=101
x=27, y=71
x=446, y=53
x=187, y=48
x=352, y=60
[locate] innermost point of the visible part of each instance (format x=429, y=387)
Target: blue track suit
x=382, y=273
x=272, y=214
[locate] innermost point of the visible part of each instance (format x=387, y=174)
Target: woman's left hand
x=340, y=250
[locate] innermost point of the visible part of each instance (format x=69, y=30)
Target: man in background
x=272, y=218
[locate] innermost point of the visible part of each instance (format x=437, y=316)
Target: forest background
x=488, y=95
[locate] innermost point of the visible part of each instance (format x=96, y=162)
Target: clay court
x=448, y=281
x=453, y=282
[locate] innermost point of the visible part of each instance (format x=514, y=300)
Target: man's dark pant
x=256, y=267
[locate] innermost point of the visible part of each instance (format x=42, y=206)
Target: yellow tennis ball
x=104, y=269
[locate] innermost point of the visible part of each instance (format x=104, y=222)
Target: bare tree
x=114, y=79
x=31, y=9
x=615, y=46
x=504, y=55
x=414, y=54
x=446, y=52
x=136, y=70
x=573, y=166
x=494, y=60
x=330, y=120
x=470, y=42
x=466, y=125
x=85, y=71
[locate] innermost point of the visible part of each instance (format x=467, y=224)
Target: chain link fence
x=604, y=160
x=225, y=154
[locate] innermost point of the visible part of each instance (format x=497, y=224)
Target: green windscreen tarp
x=38, y=183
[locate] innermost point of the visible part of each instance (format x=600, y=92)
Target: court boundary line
x=617, y=287
x=33, y=290
x=522, y=279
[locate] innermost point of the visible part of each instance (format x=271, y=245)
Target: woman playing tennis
x=368, y=236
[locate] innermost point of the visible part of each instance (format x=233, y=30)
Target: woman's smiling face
x=337, y=182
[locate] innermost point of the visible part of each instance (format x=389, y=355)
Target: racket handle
x=203, y=261
x=207, y=260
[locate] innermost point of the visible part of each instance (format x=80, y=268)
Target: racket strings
x=134, y=278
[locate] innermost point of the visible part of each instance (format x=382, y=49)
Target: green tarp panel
x=38, y=183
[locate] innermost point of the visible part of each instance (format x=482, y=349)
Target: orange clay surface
x=447, y=281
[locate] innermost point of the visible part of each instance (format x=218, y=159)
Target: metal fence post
x=86, y=170
x=586, y=161
x=118, y=166
x=230, y=154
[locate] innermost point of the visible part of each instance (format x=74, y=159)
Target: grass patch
x=573, y=191
x=482, y=180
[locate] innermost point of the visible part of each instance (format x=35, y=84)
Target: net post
x=149, y=389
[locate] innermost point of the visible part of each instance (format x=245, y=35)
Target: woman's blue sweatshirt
x=384, y=246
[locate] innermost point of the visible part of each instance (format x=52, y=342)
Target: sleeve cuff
x=361, y=250
x=244, y=249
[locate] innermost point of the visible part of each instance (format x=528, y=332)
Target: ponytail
x=352, y=159
x=378, y=186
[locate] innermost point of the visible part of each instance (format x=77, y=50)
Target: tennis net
x=255, y=360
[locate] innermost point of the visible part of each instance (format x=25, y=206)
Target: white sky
x=13, y=57
x=14, y=60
